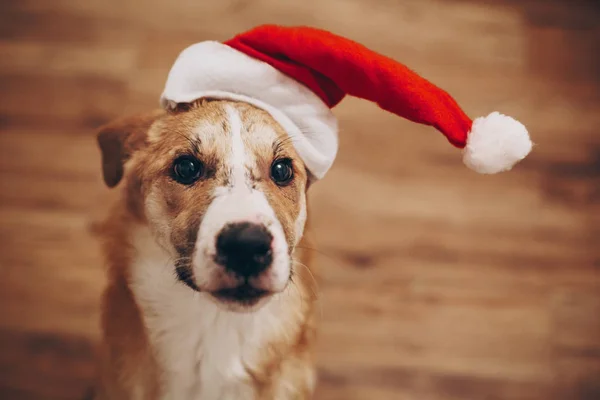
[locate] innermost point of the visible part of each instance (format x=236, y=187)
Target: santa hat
x=298, y=74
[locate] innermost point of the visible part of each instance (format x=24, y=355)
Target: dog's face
x=222, y=190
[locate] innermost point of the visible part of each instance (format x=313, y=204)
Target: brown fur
x=139, y=151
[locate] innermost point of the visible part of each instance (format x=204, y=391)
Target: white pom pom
x=495, y=144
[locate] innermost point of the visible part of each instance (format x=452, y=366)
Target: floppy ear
x=119, y=139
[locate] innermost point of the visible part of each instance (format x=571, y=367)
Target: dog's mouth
x=244, y=294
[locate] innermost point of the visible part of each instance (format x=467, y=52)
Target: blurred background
x=436, y=283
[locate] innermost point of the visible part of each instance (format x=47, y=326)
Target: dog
x=210, y=292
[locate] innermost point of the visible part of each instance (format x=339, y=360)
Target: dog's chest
x=205, y=358
x=202, y=351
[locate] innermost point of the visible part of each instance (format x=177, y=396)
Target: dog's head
x=221, y=188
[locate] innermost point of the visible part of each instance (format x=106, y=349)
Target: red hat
x=298, y=74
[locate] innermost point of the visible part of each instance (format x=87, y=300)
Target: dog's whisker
x=296, y=262
x=321, y=252
x=295, y=286
x=316, y=293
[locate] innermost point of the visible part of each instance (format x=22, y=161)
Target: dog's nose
x=244, y=248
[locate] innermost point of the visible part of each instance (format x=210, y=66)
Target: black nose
x=244, y=248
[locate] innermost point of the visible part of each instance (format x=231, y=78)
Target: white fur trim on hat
x=495, y=144
x=213, y=69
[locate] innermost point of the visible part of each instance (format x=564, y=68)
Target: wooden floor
x=436, y=283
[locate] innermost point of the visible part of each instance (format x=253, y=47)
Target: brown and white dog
x=209, y=295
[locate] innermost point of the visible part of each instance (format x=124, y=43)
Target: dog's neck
x=202, y=350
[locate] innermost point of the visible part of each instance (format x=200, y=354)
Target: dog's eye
x=282, y=172
x=187, y=170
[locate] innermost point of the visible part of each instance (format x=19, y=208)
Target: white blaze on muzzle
x=239, y=202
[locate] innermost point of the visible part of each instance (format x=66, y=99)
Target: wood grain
x=436, y=283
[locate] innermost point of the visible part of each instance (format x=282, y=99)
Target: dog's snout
x=244, y=248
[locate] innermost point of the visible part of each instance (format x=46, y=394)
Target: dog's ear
x=119, y=139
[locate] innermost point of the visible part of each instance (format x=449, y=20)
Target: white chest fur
x=205, y=352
